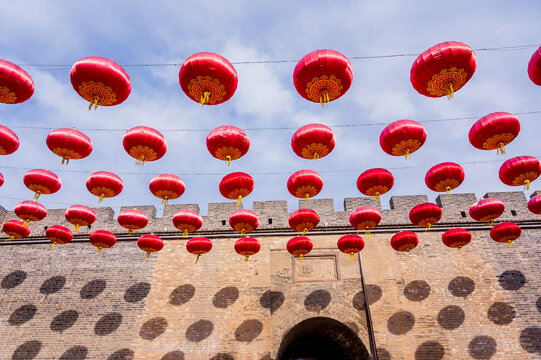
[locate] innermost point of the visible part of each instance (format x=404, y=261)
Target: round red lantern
x=402, y=138
x=236, y=186
x=303, y=220
x=494, y=131
x=425, y=214
x=247, y=247
x=58, y=235
x=520, y=170
x=228, y=143
x=102, y=239
x=198, y=246
x=100, y=81
x=30, y=211
x=150, y=243
x=299, y=246
x=350, y=244
x=534, y=205
x=15, y=229
x=322, y=76
x=534, y=67
x=208, y=78
x=456, y=238
x=375, y=182
x=69, y=144
x=443, y=69
x=104, y=185
x=9, y=142
x=166, y=187
x=444, y=177
x=42, y=181
x=487, y=209
x=187, y=221
x=404, y=241
x=304, y=184
x=1, y=179
x=132, y=219
x=313, y=141
x=505, y=232
x=365, y=218
x=144, y=144
x=16, y=86
x=244, y=221
x=80, y=215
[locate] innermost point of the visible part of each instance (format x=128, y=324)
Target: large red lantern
x=534, y=67
x=402, y=138
x=243, y=221
x=520, y=170
x=534, y=205
x=198, y=246
x=456, y=238
x=16, y=86
x=100, y=81
x=102, y=239
x=144, y=144
x=404, y=241
x=425, y=214
x=350, y=244
x=208, y=78
x=42, y=181
x=15, y=229
x=80, y=215
x=228, y=143
x=58, y=235
x=104, y=184
x=304, y=184
x=30, y=211
x=9, y=142
x=443, y=69
x=322, y=76
x=132, y=219
x=236, y=186
x=365, y=218
x=247, y=247
x=303, y=220
x=166, y=187
x=487, y=209
x=494, y=131
x=444, y=177
x=150, y=243
x=505, y=232
x=187, y=221
x=299, y=246
x=1, y=179
x=69, y=144
x=313, y=141
x=375, y=182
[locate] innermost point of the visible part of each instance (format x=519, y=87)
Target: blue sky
x=158, y=32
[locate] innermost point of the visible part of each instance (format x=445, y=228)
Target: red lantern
x=80, y=215
x=1, y=179
x=350, y=244
x=198, y=246
x=375, y=182
x=303, y=220
x=365, y=218
x=150, y=243
x=69, y=144
x=16, y=86
x=534, y=67
x=456, y=238
x=402, y=138
x=144, y=144
x=444, y=177
x=505, y=232
x=247, y=247
x=494, y=131
x=132, y=219
x=58, y=235
x=322, y=76
x=100, y=81
x=228, y=143
x=104, y=185
x=299, y=246
x=487, y=209
x=520, y=170
x=166, y=187
x=42, y=182
x=404, y=241
x=313, y=141
x=244, y=221
x=187, y=221
x=236, y=186
x=534, y=205
x=208, y=78
x=15, y=229
x=443, y=69
x=30, y=211
x=102, y=239
x=304, y=184
x=425, y=214
x=9, y=142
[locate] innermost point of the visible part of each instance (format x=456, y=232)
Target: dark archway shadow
x=321, y=338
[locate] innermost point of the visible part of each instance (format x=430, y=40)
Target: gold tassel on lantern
x=300, y=257
x=239, y=199
x=185, y=233
x=197, y=258
x=98, y=251
x=228, y=160
x=52, y=246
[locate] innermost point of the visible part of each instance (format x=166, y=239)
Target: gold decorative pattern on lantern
x=447, y=185
x=304, y=227
x=377, y=190
x=446, y=82
x=427, y=221
x=406, y=147
x=67, y=153
x=406, y=247
x=206, y=84
x=324, y=88
x=102, y=190
x=309, y=190
x=314, y=151
x=143, y=153
x=495, y=141
x=369, y=224
x=224, y=151
x=238, y=192
x=7, y=96
x=40, y=189
x=166, y=194
x=243, y=227
x=525, y=178
x=186, y=227
x=91, y=90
